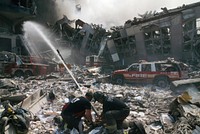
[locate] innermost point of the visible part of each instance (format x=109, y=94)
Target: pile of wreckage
x=153, y=110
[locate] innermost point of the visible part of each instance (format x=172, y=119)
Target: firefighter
x=4, y=120
x=76, y=109
x=114, y=112
x=18, y=117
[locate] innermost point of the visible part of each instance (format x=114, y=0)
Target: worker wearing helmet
x=76, y=109
x=114, y=111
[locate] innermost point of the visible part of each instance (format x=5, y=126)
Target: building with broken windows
x=151, y=36
x=12, y=14
x=158, y=35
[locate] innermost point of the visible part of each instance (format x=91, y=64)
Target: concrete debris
x=149, y=37
x=8, y=84
x=160, y=111
x=197, y=130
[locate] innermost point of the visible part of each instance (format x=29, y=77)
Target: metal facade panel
x=197, y=12
x=113, y=50
x=140, y=46
x=130, y=31
x=176, y=37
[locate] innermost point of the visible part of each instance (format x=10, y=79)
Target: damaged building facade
x=156, y=36
x=151, y=36
x=13, y=13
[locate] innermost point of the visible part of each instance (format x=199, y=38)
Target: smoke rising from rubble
x=112, y=12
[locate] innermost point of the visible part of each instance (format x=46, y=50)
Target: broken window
x=91, y=45
x=166, y=44
x=120, y=44
x=126, y=47
x=188, y=34
x=157, y=40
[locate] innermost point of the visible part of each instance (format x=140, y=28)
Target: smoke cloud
x=112, y=12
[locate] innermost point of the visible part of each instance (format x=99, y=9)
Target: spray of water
x=42, y=35
x=36, y=45
x=28, y=43
x=55, y=51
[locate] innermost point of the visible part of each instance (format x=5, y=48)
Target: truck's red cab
x=13, y=65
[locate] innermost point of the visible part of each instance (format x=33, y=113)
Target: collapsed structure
x=151, y=36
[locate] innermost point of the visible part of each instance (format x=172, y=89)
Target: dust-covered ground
x=150, y=106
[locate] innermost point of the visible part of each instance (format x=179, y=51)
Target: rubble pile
x=157, y=109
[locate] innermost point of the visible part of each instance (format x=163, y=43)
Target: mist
x=37, y=45
x=112, y=12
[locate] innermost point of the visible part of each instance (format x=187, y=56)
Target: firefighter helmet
x=98, y=95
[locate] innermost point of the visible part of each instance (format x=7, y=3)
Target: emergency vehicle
x=94, y=61
x=14, y=65
x=160, y=73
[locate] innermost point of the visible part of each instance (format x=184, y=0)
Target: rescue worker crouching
x=76, y=109
x=114, y=111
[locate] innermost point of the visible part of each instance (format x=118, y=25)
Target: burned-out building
x=158, y=35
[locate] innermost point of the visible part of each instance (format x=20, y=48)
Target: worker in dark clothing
x=114, y=111
x=76, y=109
x=51, y=96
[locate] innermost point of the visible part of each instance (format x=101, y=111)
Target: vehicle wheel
x=119, y=80
x=162, y=82
x=18, y=73
x=28, y=73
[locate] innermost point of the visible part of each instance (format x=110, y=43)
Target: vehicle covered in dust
x=14, y=65
x=159, y=73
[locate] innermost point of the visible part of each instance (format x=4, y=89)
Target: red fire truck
x=14, y=65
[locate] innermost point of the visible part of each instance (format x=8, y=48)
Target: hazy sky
x=114, y=12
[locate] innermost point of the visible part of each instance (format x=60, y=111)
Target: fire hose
x=78, y=85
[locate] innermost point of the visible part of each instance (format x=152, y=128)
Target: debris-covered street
x=154, y=107
x=66, y=70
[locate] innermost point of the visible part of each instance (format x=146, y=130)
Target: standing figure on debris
x=51, y=96
x=76, y=109
x=114, y=112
